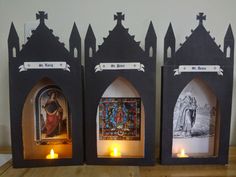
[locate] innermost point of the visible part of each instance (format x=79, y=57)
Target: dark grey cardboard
x=120, y=47
x=198, y=50
x=43, y=46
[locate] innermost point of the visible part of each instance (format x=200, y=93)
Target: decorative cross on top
x=119, y=17
x=201, y=17
x=41, y=16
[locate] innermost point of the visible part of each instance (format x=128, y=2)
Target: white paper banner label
x=44, y=65
x=198, y=68
x=119, y=66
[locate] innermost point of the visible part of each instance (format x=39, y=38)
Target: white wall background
x=138, y=13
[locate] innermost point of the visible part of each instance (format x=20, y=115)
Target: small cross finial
x=41, y=16
x=201, y=17
x=119, y=17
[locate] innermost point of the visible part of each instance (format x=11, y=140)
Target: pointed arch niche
x=196, y=121
x=120, y=121
x=46, y=122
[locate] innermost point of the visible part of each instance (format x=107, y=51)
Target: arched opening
x=120, y=121
x=150, y=52
x=14, y=52
x=76, y=53
x=46, y=122
x=196, y=121
x=169, y=52
x=90, y=52
x=228, y=52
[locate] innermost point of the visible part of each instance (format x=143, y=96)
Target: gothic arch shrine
x=120, y=97
x=196, y=98
x=45, y=98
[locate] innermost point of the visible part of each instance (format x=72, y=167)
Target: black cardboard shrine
x=197, y=82
x=120, y=98
x=45, y=98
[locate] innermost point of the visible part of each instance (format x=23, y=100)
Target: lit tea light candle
x=115, y=152
x=182, y=154
x=52, y=155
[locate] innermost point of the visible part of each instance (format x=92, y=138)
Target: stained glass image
x=119, y=118
x=52, y=122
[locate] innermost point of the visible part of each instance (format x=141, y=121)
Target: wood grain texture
x=5, y=150
x=127, y=171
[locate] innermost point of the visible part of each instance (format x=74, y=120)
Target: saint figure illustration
x=54, y=115
x=186, y=117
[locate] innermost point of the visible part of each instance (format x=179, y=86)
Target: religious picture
x=119, y=118
x=195, y=112
x=53, y=117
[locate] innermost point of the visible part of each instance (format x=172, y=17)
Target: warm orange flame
x=115, y=152
x=52, y=155
x=182, y=154
x=52, y=152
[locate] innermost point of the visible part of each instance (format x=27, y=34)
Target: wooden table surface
x=125, y=171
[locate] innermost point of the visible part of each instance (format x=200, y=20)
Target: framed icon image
x=53, y=122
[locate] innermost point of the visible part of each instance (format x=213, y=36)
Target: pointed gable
x=75, y=43
x=43, y=44
x=90, y=35
x=119, y=45
x=169, y=44
x=13, y=34
x=169, y=34
x=151, y=32
x=229, y=34
x=75, y=36
x=199, y=48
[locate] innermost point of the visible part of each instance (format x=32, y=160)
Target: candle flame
x=115, y=152
x=182, y=154
x=52, y=155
